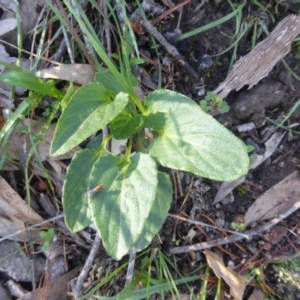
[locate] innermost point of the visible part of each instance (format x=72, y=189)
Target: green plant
x=49, y=109
x=237, y=226
x=287, y=271
x=135, y=197
x=47, y=237
x=212, y=103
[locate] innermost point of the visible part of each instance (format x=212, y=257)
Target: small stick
x=179, y=183
x=77, y=289
x=33, y=226
x=169, y=11
x=188, y=194
x=207, y=225
x=130, y=268
x=170, y=48
x=236, y=237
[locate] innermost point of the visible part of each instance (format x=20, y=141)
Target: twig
x=236, y=237
x=130, y=268
x=76, y=37
x=66, y=39
x=169, y=11
x=207, y=225
x=77, y=289
x=50, y=210
x=33, y=226
x=170, y=48
x=187, y=194
x=106, y=29
x=179, y=183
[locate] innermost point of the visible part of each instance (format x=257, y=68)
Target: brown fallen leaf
x=270, y=145
x=234, y=280
x=276, y=200
x=146, y=79
x=257, y=294
x=55, y=289
x=13, y=206
x=12, y=225
x=17, y=141
x=79, y=73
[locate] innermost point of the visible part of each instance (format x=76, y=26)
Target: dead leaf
x=146, y=79
x=257, y=294
x=27, y=16
x=12, y=205
x=79, y=73
x=17, y=141
x=55, y=289
x=234, y=280
x=9, y=227
x=7, y=25
x=275, y=201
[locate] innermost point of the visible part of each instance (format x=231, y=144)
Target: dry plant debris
x=234, y=280
x=79, y=73
x=271, y=145
x=250, y=69
x=13, y=206
x=276, y=200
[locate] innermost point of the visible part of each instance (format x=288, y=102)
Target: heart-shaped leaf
x=193, y=141
x=159, y=211
x=89, y=110
x=120, y=210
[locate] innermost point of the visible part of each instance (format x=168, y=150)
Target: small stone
x=205, y=62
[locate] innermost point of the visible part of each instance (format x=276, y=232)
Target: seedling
x=213, y=103
x=237, y=226
x=48, y=237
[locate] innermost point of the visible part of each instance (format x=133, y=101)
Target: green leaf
x=209, y=96
x=159, y=211
x=110, y=82
x=95, y=142
x=89, y=110
x=75, y=198
x=137, y=61
x=128, y=290
x=249, y=148
x=156, y=120
x=193, y=141
x=124, y=125
x=31, y=82
x=44, y=234
x=223, y=108
x=120, y=210
x=204, y=106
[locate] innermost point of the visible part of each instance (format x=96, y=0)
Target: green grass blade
x=212, y=24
